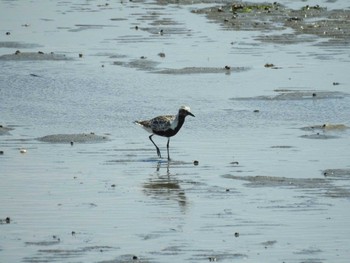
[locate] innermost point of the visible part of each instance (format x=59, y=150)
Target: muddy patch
x=128, y=258
x=326, y=127
x=74, y=138
x=324, y=131
x=286, y=94
x=202, y=70
x=5, y=130
x=308, y=20
x=13, y=44
x=319, y=136
x=21, y=56
x=321, y=186
x=143, y=63
x=51, y=255
x=337, y=173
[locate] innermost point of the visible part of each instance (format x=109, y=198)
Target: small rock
x=23, y=151
x=8, y=33
x=7, y=220
x=236, y=234
x=1, y=152
x=269, y=65
x=135, y=258
x=80, y=55
x=195, y=162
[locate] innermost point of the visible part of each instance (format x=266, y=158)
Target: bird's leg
x=158, y=151
x=167, y=147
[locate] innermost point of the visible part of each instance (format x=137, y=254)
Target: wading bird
x=165, y=125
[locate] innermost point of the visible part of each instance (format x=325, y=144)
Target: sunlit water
x=115, y=201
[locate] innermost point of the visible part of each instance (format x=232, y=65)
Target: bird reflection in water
x=164, y=186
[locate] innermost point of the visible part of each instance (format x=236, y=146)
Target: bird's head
x=185, y=111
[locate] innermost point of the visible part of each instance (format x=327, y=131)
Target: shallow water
x=266, y=188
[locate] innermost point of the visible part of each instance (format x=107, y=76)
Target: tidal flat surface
x=79, y=182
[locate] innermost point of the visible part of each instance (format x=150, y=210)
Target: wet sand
x=260, y=175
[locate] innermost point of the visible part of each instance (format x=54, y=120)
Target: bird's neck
x=178, y=122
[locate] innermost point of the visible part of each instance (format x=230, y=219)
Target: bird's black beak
x=189, y=113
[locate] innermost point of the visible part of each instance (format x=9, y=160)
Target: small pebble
x=227, y=67
x=80, y=55
x=71, y=143
x=256, y=111
x=8, y=33
x=8, y=220
x=73, y=233
x=17, y=52
x=135, y=258
x=227, y=190
x=113, y=185
x=196, y=162
x=236, y=234
x=136, y=27
x=212, y=259
x=1, y=152
x=23, y=151
x=314, y=94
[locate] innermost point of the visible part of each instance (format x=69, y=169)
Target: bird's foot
x=158, y=153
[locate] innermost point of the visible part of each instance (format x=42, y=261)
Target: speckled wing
x=161, y=123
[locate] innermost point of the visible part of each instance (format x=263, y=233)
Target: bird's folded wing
x=162, y=123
